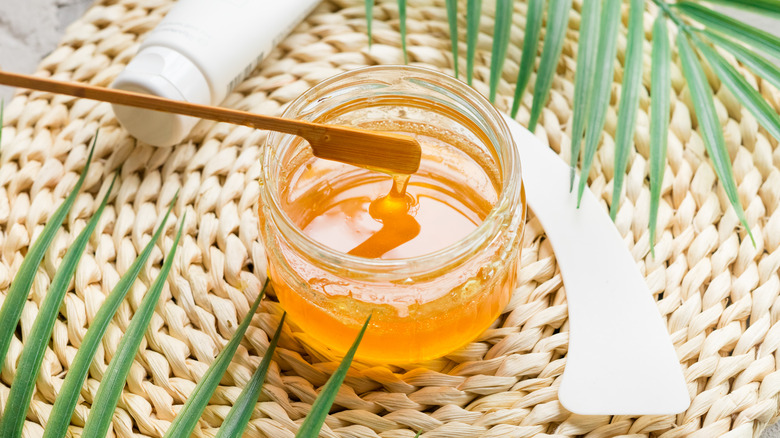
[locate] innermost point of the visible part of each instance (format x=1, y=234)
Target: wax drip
x=398, y=224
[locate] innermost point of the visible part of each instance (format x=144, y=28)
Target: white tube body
x=198, y=53
x=226, y=39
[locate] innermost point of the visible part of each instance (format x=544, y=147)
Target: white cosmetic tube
x=198, y=53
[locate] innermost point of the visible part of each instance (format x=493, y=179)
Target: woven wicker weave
x=717, y=293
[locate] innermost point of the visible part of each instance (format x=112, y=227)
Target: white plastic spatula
x=620, y=360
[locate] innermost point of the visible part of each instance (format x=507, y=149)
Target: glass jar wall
x=434, y=275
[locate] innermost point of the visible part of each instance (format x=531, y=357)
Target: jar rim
x=508, y=161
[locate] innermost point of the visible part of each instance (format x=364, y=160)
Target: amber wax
x=430, y=256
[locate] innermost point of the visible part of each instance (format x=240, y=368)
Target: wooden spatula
x=385, y=151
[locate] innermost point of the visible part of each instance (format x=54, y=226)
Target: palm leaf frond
x=241, y=412
x=37, y=341
x=17, y=294
x=760, y=40
x=533, y=24
x=474, y=10
x=188, y=417
x=771, y=7
x=584, y=77
x=66, y=400
x=319, y=409
x=757, y=64
x=629, y=99
x=114, y=378
x=501, y=32
x=709, y=126
x=739, y=87
x=452, y=18
x=599, y=101
x=660, y=85
x=555, y=31
x=402, y=27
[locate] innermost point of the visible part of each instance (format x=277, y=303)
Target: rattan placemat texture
x=717, y=293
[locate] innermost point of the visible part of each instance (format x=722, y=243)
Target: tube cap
x=163, y=72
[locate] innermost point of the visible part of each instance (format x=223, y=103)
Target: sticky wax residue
x=395, y=212
x=373, y=215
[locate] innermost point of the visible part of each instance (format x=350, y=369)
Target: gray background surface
x=30, y=29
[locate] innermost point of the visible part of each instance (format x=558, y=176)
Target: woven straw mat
x=716, y=292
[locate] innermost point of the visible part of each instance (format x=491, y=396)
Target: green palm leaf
x=759, y=39
x=763, y=7
x=533, y=24
x=452, y=18
x=241, y=412
x=68, y=396
x=36, y=342
x=319, y=409
x=402, y=27
x=629, y=98
x=745, y=93
x=473, y=11
x=500, y=42
x=708, y=124
x=584, y=77
x=110, y=388
x=599, y=101
x=369, y=20
x=661, y=84
x=20, y=287
x=760, y=66
x=555, y=30
x=188, y=417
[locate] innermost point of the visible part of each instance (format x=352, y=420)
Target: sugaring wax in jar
x=431, y=256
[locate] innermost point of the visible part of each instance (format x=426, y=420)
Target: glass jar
x=421, y=307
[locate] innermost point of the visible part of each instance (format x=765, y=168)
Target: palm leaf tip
x=501, y=34
x=584, y=78
x=659, y=118
x=629, y=99
x=110, y=389
x=236, y=421
x=11, y=310
x=402, y=28
x=709, y=126
x=747, y=95
x=66, y=400
x=186, y=420
x=533, y=25
x=38, y=339
x=319, y=410
x=599, y=100
x=555, y=30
